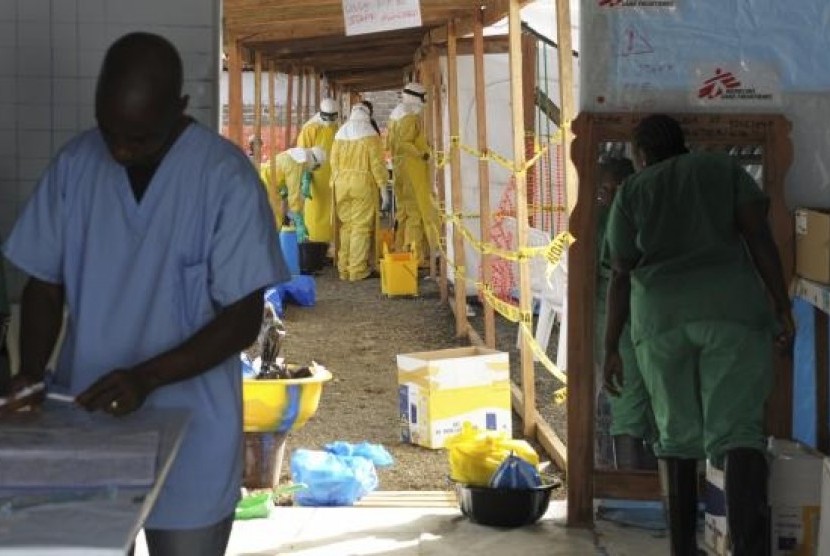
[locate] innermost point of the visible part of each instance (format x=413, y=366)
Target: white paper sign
x=373, y=16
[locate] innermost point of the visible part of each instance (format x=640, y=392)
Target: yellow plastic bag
x=475, y=455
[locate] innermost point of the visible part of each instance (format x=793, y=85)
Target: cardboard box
x=439, y=390
x=816, y=294
x=824, y=522
x=812, y=244
x=714, y=517
x=794, y=497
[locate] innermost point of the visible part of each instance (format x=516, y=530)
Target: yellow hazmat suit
x=285, y=182
x=415, y=212
x=319, y=133
x=358, y=174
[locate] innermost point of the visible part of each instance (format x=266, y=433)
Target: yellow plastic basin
x=281, y=405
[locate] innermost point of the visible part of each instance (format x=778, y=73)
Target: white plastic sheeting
x=541, y=16
x=718, y=56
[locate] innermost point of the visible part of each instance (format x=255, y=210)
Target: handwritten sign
x=373, y=16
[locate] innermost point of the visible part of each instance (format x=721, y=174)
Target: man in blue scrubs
x=156, y=234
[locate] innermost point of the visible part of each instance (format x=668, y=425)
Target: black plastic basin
x=504, y=507
x=312, y=256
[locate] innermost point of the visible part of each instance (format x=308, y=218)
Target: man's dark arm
x=235, y=328
x=41, y=316
x=753, y=226
x=618, y=304
x=617, y=313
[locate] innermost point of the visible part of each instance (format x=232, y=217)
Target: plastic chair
x=548, y=289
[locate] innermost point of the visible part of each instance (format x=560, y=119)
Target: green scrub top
x=676, y=221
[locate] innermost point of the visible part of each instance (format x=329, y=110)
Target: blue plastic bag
x=374, y=452
x=514, y=472
x=273, y=296
x=332, y=479
x=301, y=290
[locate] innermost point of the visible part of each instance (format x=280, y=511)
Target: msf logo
x=716, y=86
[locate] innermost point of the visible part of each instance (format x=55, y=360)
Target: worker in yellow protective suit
x=358, y=174
x=319, y=132
x=416, y=216
x=288, y=184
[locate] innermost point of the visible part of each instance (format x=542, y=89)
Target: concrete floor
x=426, y=532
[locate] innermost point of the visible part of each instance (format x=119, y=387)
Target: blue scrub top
x=141, y=278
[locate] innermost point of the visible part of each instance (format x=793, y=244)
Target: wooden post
x=461, y=323
x=426, y=76
x=438, y=112
x=235, y=93
x=529, y=53
x=308, y=108
x=272, y=110
x=300, y=104
x=483, y=173
x=257, y=155
x=566, y=97
x=317, y=89
x=517, y=100
x=289, y=106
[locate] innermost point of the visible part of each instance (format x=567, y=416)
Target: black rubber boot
x=747, y=512
x=678, y=481
x=629, y=452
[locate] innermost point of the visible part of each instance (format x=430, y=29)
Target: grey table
x=100, y=521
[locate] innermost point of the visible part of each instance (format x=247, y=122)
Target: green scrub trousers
x=708, y=382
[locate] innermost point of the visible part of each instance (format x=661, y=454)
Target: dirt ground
x=356, y=332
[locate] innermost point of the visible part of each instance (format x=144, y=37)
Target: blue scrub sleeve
x=36, y=243
x=621, y=235
x=245, y=254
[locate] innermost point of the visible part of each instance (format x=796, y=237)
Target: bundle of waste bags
x=340, y=475
x=488, y=458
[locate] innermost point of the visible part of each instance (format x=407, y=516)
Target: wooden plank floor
x=408, y=499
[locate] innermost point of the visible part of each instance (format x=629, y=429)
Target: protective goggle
x=328, y=116
x=315, y=164
x=422, y=96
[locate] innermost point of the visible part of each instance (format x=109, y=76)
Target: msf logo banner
x=739, y=86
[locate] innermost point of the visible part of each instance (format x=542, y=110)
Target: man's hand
x=613, y=373
x=120, y=392
x=17, y=400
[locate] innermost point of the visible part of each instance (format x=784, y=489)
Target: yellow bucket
x=399, y=273
x=281, y=405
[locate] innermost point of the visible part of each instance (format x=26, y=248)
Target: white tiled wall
x=50, y=53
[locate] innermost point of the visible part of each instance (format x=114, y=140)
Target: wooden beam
x=272, y=110
x=425, y=77
x=300, y=104
x=318, y=93
x=438, y=111
x=289, y=107
x=311, y=108
x=257, y=155
x=545, y=435
x=525, y=295
x=567, y=104
x=529, y=53
x=483, y=173
x=493, y=44
x=581, y=329
x=461, y=323
x=235, y=94
x=626, y=485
